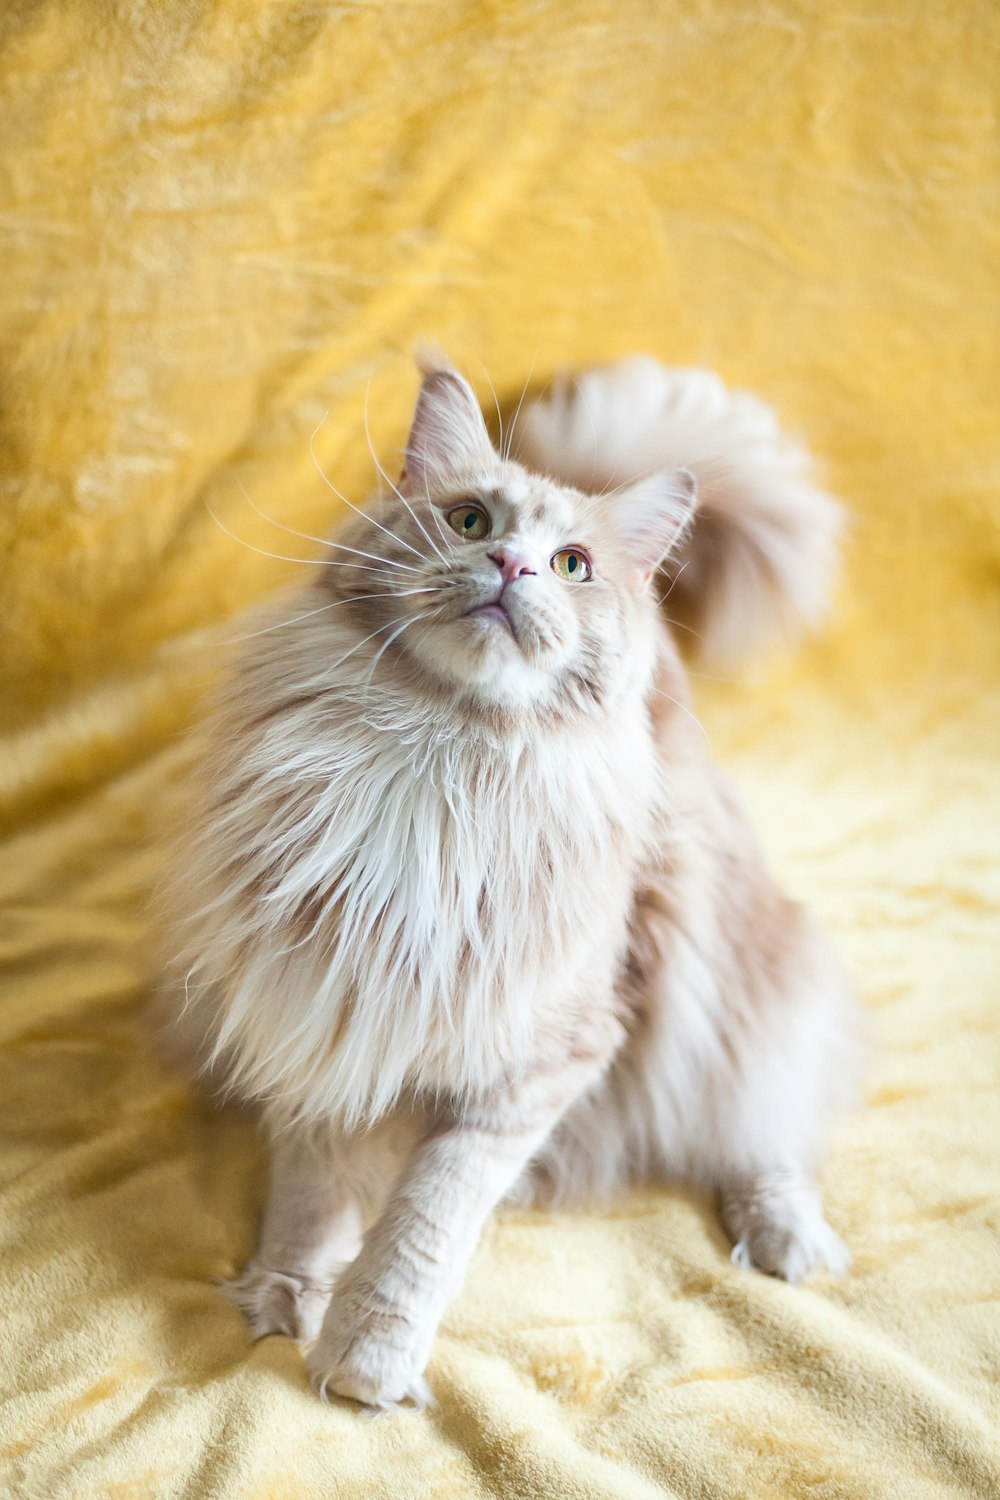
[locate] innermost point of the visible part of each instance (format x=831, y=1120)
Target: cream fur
x=762, y=557
x=468, y=912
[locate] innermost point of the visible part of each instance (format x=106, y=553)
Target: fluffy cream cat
x=467, y=910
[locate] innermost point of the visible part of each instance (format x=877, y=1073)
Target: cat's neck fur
x=424, y=891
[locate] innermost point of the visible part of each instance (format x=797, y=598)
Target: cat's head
x=510, y=587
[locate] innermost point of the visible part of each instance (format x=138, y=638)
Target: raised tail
x=758, y=562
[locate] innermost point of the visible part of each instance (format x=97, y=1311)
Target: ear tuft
x=449, y=435
x=653, y=514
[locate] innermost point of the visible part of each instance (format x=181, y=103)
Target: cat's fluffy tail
x=758, y=563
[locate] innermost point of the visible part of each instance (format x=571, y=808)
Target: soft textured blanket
x=219, y=222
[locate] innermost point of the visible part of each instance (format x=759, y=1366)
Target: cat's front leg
x=312, y=1227
x=379, y=1328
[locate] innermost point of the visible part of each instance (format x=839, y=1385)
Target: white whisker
x=673, y=584
x=322, y=609
x=278, y=556
x=517, y=409
x=370, y=638
x=496, y=403
x=679, y=625
x=744, y=682
x=685, y=710
x=396, y=633
x=326, y=542
x=314, y=562
x=350, y=503
x=306, y=536
x=610, y=491
x=375, y=459
x=446, y=535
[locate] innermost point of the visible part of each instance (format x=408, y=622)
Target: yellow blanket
x=221, y=221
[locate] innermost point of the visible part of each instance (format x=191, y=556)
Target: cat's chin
x=490, y=616
x=479, y=656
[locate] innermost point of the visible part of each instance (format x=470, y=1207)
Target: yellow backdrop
x=221, y=221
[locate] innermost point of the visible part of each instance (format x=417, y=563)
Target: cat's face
x=512, y=588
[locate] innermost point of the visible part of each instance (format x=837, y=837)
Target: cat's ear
x=448, y=436
x=652, y=516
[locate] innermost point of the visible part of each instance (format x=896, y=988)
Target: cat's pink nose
x=512, y=564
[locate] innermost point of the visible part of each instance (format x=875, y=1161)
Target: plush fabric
x=220, y=222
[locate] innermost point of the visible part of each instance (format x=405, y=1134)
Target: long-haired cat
x=467, y=911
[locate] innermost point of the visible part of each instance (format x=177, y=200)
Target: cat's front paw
x=371, y=1349
x=792, y=1250
x=276, y=1302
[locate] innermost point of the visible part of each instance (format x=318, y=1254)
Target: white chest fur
x=407, y=899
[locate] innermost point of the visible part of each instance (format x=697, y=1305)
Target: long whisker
x=322, y=540
x=315, y=562
x=383, y=649
x=325, y=542
x=448, y=537
x=306, y=536
x=679, y=625
x=747, y=682
x=496, y=403
x=374, y=556
x=685, y=710
x=375, y=459
x=609, y=491
x=349, y=503
x=322, y=609
x=517, y=409
x=278, y=556
x=369, y=638
x=673, y=584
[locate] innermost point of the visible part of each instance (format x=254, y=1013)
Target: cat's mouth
x=492, y=613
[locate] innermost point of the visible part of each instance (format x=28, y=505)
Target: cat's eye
x=470, y=521
x=572, y=564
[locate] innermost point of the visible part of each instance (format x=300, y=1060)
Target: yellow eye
x=572, y=564
x=470, y=521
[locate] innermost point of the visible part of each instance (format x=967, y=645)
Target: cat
x=466, y=910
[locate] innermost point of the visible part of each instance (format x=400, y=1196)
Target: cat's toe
x=371, y=1350
x=377, y=1376
x=275, y=1302
x=792, y=1251
x=372, y=1394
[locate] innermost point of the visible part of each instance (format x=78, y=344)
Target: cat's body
x=471, y=913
